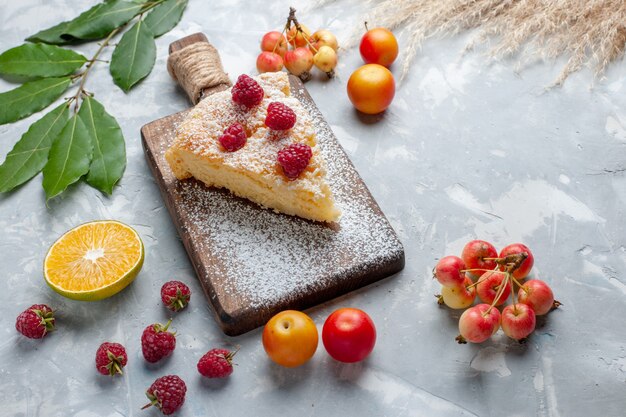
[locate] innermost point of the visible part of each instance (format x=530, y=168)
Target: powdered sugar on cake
x=200, y=131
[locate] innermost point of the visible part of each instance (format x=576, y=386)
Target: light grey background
x=467, y=150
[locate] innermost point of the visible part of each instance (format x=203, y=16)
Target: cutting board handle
x=196, y=65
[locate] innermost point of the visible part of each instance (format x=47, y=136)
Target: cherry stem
x=503, y=285
x=512, y=261
x=474, y=284
x=513, y=293
x=479, y=279
x=476, y=269
x=293, y=19
x=286, y=28
x=277, y=42
x=309, y=43
x=518, y=283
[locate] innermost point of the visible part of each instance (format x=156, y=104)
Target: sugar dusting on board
x=272, y=259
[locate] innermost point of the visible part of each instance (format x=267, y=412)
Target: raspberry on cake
x=280, y=117
x=294, y=159
x=253, y=170
x=247, y=92
x=234, y=138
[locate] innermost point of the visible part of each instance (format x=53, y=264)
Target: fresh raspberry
x=234, y=137
x=167, y=394
x=157, y=343
x=175, y=295
x=111, y=358
x=36, y=321
x=216, y=363
x=294, y=159
x=280, y=116
x=247, y=92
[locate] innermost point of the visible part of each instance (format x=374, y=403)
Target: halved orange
x=94, y=260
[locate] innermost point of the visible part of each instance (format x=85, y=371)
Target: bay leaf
x=40, y=60
x=53, y=35
x=133, y=57
x=165, y=16
x=30, y=153
x=69, y=157
x=109, y=150
x=30, y=98
x=97, y=25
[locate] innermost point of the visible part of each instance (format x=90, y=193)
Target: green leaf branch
x=78, y=139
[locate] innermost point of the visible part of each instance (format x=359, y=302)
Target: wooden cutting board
x=252, y=262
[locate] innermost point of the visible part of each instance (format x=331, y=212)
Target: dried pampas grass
x=587, y=32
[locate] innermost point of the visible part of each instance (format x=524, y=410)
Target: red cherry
x=269, y=62
x=538, y=295
x=524, y=269
x=489, y=285
x=518, y=321
x=475, y=252
x=478, y=323
x=448, y=271
x=274, y=42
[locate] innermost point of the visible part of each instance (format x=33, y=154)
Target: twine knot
x=198, y=69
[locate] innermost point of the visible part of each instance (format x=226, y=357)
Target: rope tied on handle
x=198, y=69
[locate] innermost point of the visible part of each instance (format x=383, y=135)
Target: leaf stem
x=106, y=42
x=83, y=75
x=150, y=5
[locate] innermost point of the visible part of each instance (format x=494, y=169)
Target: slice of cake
x=259, y=143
